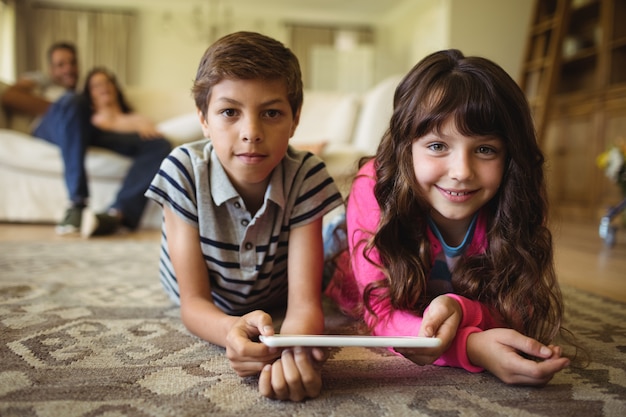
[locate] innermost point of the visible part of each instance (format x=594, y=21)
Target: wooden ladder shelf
x=542, y=59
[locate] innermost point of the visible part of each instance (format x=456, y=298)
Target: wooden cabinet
x=570, y=150
x=583, y=103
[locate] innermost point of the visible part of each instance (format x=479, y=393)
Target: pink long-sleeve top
x=363, y=214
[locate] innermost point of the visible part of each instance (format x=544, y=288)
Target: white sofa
x=32, y=189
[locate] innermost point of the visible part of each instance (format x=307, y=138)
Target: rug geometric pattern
x=86, y=330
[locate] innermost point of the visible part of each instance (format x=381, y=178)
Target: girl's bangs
x=473, y=108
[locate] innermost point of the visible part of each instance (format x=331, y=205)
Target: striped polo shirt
x=246, y=256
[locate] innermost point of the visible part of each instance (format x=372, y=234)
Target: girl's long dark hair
x=515, y=276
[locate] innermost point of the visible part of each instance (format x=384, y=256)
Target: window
x=102, y=37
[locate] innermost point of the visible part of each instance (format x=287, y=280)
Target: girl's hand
x=247, y=357
x=297, y=375
x=441, y=319
x=499, y=352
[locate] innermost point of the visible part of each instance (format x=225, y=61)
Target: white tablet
x=349, y=340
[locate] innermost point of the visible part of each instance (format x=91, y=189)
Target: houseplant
x=613, y=163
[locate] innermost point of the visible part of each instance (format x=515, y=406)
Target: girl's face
x=457, y=174
x=102, y=90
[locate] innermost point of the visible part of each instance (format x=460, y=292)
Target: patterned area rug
x=85, y=330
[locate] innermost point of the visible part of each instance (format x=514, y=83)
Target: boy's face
x=249, y=123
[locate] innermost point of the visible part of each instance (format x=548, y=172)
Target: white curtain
x=7, y=41
x=102, y=37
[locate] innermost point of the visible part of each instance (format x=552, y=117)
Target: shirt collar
x=222, y=190
x=454, y=250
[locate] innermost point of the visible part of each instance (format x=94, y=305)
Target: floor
x=582, y=260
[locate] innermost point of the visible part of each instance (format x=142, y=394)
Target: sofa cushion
x=182, y=129
x=326, y=117
x=27, y=153
x=376, y=111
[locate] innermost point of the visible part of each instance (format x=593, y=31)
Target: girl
x=447, y=226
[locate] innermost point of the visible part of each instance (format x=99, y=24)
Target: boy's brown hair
x=247, y=56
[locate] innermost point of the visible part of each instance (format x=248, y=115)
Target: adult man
x=34, y=93
x=63, y=118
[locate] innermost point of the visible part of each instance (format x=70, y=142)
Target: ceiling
x=371, y=9
x=341, y=7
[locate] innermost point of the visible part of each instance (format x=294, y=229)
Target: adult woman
x=118, y=128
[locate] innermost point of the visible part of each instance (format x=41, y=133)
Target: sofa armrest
x=11, y=120
x=4, y=119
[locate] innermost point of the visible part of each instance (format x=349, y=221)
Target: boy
x=243, y=215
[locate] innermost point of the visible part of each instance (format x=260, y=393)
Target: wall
x=495, y=29
x=172, y=36
x=413, y=30
x=172, y=45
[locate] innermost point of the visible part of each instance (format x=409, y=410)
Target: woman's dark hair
x=126, y=108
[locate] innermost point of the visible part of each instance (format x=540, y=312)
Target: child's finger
x=320, y=355
x=527, y=345
x=557, y=351
x=261, y=321
x=286, y=380
x=279, y=385
x=292, y=375
x=433, y=319
x=420, y=356
x=265, y=382
x=529, y=372
x=309, y=375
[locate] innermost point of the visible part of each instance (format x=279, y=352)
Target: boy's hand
x=441, y=319
x=297, y=375
x=498, y=351
x=247, y=357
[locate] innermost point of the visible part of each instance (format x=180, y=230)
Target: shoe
x=71, y=222
x=99, y=224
